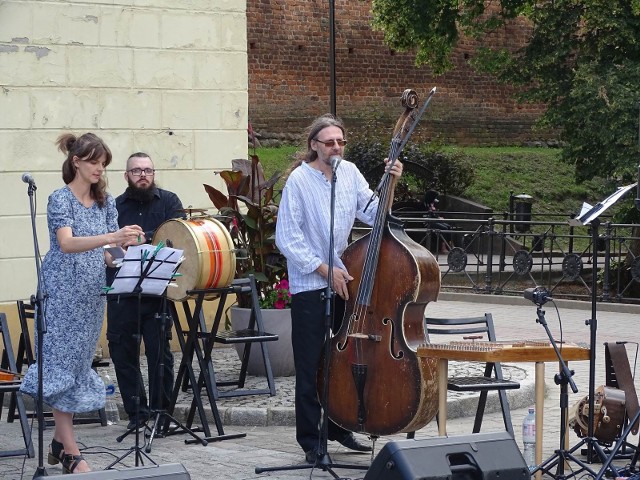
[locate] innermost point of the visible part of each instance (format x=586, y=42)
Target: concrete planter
x=277, y=322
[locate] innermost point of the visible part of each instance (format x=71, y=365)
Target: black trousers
x=122, y=334
x=307, y=338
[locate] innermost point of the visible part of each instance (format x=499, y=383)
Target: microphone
x=538, y=295
x=335, y=161
x=27, y=178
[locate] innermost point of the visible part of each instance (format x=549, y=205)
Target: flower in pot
x=250, y=213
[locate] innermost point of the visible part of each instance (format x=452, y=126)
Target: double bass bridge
x=365, y=336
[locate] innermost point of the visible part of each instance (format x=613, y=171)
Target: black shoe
x=352, y=443
x=311, y=456
x=56, y=452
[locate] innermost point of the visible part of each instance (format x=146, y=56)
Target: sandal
x=56, y=452
x=71, y=462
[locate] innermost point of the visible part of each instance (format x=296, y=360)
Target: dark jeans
x=307, y=338
x=122, y=334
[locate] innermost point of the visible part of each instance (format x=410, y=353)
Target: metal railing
x=504, y=256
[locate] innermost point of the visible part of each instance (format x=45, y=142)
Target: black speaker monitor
x=480, y=456
x=170, y=471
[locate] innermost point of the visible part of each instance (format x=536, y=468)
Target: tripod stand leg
x=323, y=463
x=179, y=426
x=139, y=458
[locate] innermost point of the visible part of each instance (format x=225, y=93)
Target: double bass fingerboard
x=508, y=351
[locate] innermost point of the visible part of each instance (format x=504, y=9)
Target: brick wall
x=289, y=75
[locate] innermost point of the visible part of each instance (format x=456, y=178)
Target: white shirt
x=302, y=229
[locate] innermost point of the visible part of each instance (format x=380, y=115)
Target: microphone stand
x=323, y=460
x=563, y=378
x=41, y=329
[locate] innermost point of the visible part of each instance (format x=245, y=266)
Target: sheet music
x=588, y=213
x=156, y=265
x=585, y=208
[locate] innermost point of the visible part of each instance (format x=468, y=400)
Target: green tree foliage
x=424, y=168
x=582, y=60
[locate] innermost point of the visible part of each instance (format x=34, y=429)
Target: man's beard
x=143, y=195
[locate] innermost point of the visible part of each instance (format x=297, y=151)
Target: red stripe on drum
x=215, y=254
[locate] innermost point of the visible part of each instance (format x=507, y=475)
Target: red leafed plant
x=250, y=213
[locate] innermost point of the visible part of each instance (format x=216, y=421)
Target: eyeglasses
x=136, y=172
x=330, y=143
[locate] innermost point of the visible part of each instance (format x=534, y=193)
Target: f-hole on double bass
x=377, y=384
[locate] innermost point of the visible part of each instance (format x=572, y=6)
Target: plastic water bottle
x=110, y=407
x=529, y=438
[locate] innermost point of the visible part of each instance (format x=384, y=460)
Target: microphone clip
x=538, y=295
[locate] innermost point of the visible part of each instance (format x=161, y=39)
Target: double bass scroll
x=377, y=383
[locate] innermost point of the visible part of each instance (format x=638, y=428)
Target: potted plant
x=250, y=213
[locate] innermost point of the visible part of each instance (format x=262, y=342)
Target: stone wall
x=168, y=77
x=289, y=77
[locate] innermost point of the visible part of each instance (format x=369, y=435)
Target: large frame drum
x=209, y=254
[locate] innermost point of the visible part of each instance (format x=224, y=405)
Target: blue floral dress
x=73, y=307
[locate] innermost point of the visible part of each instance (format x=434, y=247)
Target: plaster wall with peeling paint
x=167, y=77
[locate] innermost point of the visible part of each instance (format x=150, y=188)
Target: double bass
x=377, y=384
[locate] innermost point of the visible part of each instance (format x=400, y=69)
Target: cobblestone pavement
x=269, y=438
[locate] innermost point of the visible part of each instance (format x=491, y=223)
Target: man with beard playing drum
x=150, y=206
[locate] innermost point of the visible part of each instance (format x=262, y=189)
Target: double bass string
x=373, y=251
x=402, y=132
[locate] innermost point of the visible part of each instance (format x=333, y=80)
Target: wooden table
x=493, y=352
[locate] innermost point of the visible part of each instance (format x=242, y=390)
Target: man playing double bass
x=150, y=206
x=302, y=235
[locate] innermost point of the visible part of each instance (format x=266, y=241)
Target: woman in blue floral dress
x=82, y=218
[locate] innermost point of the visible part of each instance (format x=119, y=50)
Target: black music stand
x=145, y=270
x=589, y=215
x=161, y=416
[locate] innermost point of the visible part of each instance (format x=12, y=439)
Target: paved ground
x=270, y=442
